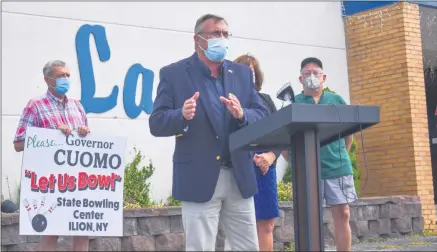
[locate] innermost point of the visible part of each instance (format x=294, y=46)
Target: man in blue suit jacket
x=200, y=101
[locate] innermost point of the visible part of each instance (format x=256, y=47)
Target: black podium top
x=331, y=121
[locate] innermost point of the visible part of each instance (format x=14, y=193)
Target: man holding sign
x=201, y=100
x=54, y=111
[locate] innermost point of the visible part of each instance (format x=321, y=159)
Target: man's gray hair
x=50, y=66
x=199, y=24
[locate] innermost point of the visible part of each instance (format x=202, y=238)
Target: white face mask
x=312, y=82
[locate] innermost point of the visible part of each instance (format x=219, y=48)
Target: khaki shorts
x=337, y=191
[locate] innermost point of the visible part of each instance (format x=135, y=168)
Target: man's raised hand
x=234, y=106
x=189, y=108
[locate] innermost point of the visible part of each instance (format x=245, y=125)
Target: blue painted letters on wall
x=130, y=88
x=88, y=83
x=94, y=104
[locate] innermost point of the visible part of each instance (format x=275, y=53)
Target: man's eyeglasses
x=217, y=34
x=315, y=72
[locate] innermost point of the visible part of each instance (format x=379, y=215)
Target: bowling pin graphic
x=35, y=206
x=28, y=208
x=50, y=210
x=43, y=198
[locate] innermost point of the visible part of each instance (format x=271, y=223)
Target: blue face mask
x=217, y=49
x=62, y=85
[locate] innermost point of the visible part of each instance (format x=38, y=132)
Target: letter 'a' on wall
x=130, y=87
x=93, y=104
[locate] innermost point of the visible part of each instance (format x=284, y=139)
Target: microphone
x=286, y=93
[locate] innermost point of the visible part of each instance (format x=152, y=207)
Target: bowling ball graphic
x=39, y=223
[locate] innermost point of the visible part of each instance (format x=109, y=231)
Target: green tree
x=287, y=175
x=136, y=185
x=353, y=158
x=173, y=202
x=285, y=191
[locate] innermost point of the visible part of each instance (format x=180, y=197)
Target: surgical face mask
x=62, y=85
x=217, y=49
x=312, y=82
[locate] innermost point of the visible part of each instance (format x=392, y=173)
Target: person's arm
x=256, y=109
x=83, y=130
x=166, y=119
x=28, y=118
x=82, y=114
x=348, y=139
x=244, y=122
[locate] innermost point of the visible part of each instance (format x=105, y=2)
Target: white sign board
x=71, y=185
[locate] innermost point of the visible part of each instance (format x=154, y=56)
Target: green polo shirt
x=334, y=157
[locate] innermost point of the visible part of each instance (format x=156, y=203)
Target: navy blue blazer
x=196, y=158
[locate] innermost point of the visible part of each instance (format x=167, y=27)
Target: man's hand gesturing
x=234, y=106
x=189, y=108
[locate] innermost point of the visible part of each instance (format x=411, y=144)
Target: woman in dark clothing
x=266, y=200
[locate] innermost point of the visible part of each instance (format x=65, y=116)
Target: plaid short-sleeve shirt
x=50, y=112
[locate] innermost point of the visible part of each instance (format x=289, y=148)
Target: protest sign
x=71, y=185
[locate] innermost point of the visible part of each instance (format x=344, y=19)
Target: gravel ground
x=415, y=243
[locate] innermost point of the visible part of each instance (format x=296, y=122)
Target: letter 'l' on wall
x=94, y=104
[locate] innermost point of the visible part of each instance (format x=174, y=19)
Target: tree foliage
x=136, y=185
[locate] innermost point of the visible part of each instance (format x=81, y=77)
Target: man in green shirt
x=338, y=183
